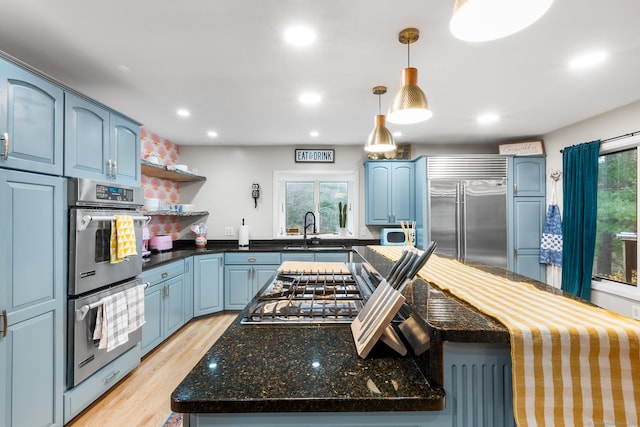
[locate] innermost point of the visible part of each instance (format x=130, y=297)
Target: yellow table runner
x=573, y=364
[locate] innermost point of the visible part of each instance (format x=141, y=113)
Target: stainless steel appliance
x=92, y=208
x=468, y=208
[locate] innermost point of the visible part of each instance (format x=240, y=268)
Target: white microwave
x=392, y=237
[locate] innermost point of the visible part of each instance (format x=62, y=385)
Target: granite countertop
x=282, y=368
x=186, y=248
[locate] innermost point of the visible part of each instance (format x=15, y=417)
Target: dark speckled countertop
x=316, y=368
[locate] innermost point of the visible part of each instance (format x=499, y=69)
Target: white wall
x=230, y=171
x=613, y=123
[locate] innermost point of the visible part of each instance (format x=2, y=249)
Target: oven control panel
x=113, y=193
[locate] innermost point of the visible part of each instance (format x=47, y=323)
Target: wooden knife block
x=373, y=323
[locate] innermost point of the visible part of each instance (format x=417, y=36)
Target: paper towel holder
x=255, y=193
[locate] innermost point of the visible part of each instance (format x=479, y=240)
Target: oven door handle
x=81, y=313
x=87, y=219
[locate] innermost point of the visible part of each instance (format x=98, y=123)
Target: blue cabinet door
x=86, y=139
x=31, y=115
x=529, y=221
x=174, y=305
x=529, y=176
x=153, y=328
x=402, y=192
x=208, y=289
x=125, y=150
x=188, y=289
x=238, y=286
x=32, y=294
x=262, y=274
x=378, y=187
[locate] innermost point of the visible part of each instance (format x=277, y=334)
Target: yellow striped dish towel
x=123, y=239
x=573, y=364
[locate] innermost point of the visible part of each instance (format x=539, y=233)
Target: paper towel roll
x=243, y=235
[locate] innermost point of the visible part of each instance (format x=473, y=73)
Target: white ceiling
x=227, y=63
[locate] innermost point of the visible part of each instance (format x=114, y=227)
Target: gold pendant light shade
x=380, y=139
x=410, y=104
x=483, y=20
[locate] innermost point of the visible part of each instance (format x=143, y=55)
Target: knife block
x=373, y=323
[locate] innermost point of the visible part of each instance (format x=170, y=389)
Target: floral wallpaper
x=167, y=191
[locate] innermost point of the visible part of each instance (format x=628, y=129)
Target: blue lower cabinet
x=207, y=284
x=164, y=303
x=244, y=275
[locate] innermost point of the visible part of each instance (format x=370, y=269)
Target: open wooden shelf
x=159, y=171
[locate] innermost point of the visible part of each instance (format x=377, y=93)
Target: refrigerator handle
x=463, y=231
x=458, y=223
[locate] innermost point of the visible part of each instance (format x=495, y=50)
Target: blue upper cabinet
x=31, y=121
x=99, y=144
x=125, y=150
x=389, y=192
x=529, y=176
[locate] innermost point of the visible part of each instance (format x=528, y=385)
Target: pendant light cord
x=379, y=104
x=408, y=55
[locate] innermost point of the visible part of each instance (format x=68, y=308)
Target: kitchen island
x=281, y=375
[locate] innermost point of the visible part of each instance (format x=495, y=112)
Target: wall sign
x=314, y=156
x=524, y=148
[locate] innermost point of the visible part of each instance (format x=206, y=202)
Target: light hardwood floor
x=143, y=397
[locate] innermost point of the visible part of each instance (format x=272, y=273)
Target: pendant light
x=483, y=20
x=410, y=103
x=380, y=139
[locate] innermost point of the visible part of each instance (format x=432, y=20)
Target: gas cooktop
x=308, y=299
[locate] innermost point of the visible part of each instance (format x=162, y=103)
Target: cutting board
x=308, y=267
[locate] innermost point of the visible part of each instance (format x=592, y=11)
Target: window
x=320, y=192
x=616, y=238
x=615, y=263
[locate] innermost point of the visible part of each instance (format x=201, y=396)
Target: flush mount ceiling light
x=212, y=134
x=380, y=139
x=182, y=112
x=587, y=61
x=410, y=103
x=483, y=20
x=488, y=118
x=309, y=98
x=314, y=133
x=299, y=35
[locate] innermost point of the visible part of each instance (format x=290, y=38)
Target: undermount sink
x=314, y=248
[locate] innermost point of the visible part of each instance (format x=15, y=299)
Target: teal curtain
x=580, y=190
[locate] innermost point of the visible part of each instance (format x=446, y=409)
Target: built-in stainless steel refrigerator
x=468, y=208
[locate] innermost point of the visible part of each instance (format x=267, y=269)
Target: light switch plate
x=635, y=312
x=228, y=231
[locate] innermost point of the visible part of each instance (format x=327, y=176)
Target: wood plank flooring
x=143, y=397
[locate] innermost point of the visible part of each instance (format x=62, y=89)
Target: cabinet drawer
x=252, y=258
x=85, y=393
x=164, y=272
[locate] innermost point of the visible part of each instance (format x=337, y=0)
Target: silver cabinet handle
x=165, y=274
x=5, y=153
x=115, y=169
x=515, y=189
x=111, y=377
x=110, y=174
x=251, y=259
x=5, y=327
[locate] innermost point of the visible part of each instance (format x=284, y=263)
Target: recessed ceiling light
x=212, y=134
x=488, y=118
x=310, y=98
x=182, y=112
x=314, y=133
x=299, y=35
x=397, y=133
x=587, y=61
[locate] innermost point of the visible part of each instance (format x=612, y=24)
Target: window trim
x=281, y=176
x=609, y=286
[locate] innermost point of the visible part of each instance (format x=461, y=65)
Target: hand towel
x=123, y=238
x=135, y=307
x=112, y=322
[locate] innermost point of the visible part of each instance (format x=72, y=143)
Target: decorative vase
x=343, y=232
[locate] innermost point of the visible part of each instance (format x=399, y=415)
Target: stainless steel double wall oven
x=92, y=208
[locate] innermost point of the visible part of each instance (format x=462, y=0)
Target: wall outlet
x=364, y=231
x=228, y=231
x=635, y=312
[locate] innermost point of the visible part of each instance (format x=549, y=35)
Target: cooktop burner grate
x=307, y=299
